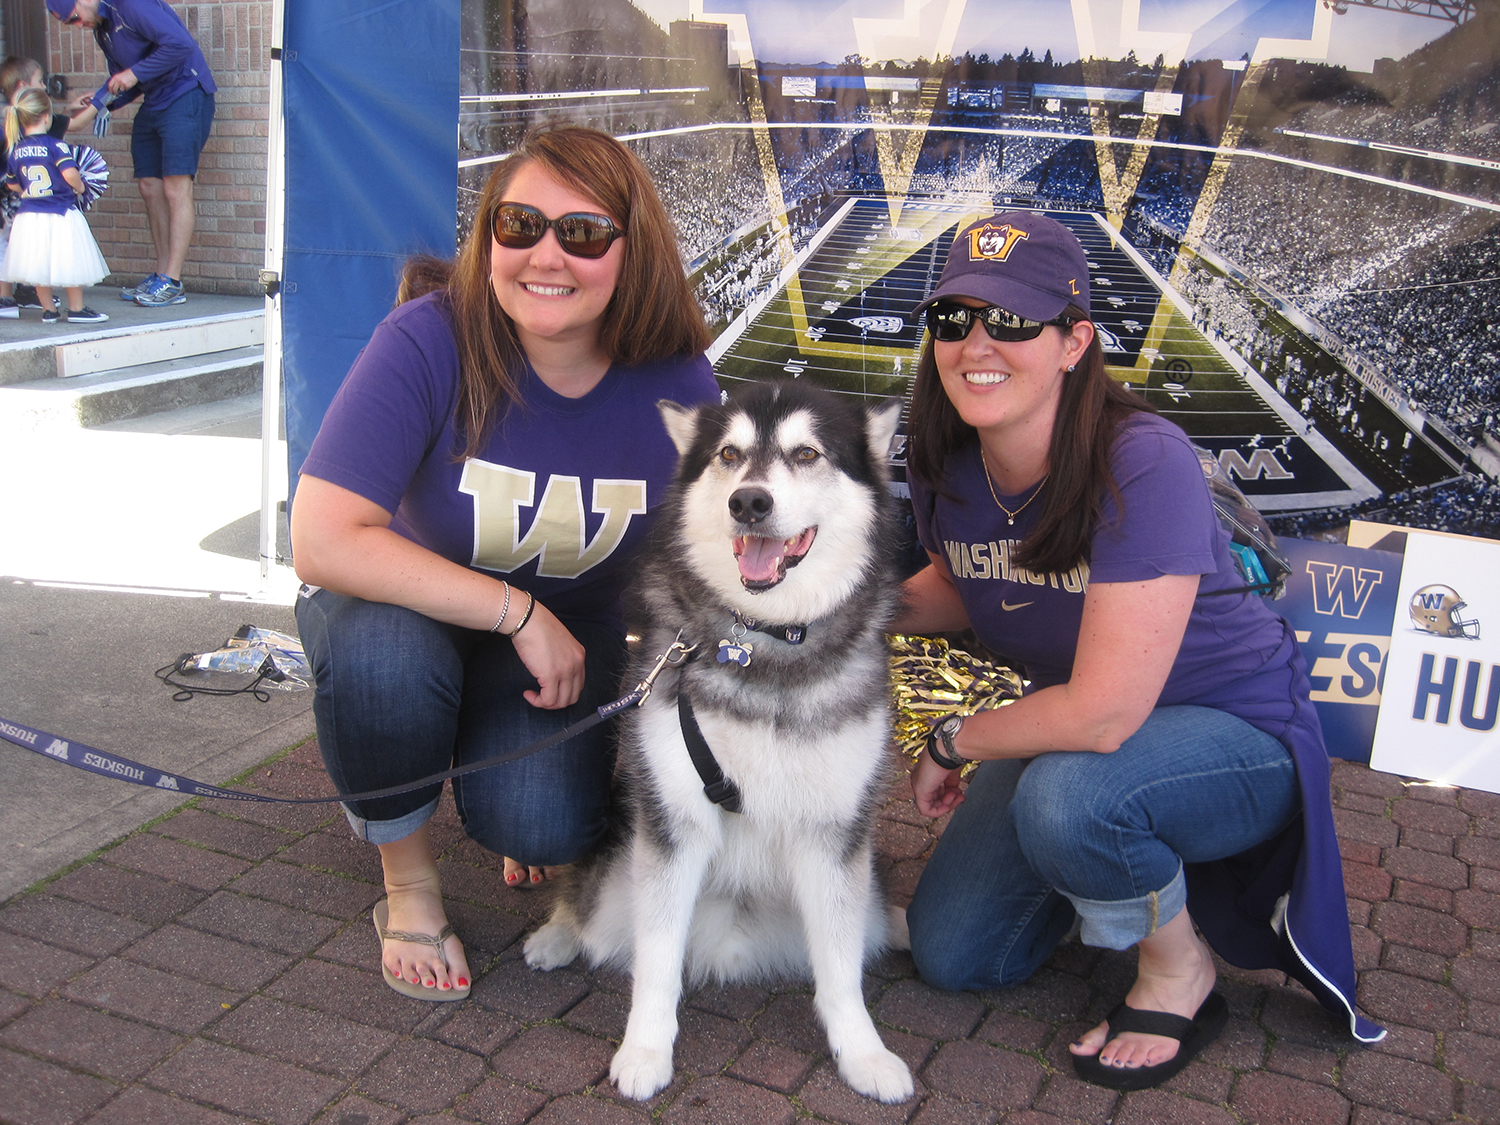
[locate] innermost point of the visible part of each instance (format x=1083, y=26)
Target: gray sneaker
x=158, y=291
x=136, y=290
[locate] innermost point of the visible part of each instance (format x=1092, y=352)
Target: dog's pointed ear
x=681, y=422
x=880, y=426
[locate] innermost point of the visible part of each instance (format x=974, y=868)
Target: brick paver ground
x=220, y=966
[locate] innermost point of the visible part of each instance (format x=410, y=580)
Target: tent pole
x=272, y=457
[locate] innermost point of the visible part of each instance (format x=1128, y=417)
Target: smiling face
x=555, y=299
x=1009, y=389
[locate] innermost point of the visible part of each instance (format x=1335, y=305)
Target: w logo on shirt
x=557, y=537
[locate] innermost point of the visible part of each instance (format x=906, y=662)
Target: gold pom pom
x=931, y=679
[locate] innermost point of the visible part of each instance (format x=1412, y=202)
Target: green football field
x=840, y=314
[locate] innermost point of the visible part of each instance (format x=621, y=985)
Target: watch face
x=951, y=724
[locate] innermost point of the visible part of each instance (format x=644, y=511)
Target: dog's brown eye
x=729, y=454
x=806, y=454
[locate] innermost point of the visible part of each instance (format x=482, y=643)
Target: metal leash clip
x=677, y=649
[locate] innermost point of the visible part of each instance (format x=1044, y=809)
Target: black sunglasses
x=951, y=322
x=518, y=227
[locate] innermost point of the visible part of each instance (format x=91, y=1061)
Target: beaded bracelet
x=504, y=608
x=525, y=617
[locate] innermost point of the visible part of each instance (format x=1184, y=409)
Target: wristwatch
x=940, y=743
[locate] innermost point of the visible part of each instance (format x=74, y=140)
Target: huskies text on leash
x=771, y=558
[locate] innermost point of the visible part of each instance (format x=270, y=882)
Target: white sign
x=792, y=87
x=1440, y=703
x=1159, y=103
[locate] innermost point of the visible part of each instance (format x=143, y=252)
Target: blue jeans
x=400, y=696
x=1102, y=835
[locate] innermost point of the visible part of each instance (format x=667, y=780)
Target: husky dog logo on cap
x=993, y=244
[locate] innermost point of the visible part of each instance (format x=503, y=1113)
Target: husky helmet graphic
x=1435, y=609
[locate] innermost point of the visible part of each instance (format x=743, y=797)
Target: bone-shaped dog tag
x=736, y=652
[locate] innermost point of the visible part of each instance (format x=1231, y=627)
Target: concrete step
x=145, y=388
x=59, y=352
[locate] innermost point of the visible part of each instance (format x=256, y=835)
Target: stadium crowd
x=1463, y=125
x=1468, y=505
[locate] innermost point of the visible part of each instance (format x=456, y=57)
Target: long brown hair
x=1089, y=412
x=653, y=314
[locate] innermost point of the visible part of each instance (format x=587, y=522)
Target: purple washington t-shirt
x=558, y=498
x=1237, y=656
x=37, y=163
x=1169, y=527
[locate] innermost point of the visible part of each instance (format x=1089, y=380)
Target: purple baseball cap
x=1026, y=263
x=62, y=9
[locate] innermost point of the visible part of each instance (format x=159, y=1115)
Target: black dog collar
x=791, y=634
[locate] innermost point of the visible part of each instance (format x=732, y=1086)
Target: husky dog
x=770, y=559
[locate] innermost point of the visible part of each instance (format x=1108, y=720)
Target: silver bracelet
x=525, y=617
x=504, y=609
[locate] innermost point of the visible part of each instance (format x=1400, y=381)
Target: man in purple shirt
x=150, y=52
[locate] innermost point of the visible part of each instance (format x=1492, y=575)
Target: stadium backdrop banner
x=1220, y=165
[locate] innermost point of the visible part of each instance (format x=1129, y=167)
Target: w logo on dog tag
x=736, y=653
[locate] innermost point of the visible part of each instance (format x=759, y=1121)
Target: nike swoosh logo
x=1011, y=608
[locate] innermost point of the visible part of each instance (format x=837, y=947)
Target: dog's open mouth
x=764, y=562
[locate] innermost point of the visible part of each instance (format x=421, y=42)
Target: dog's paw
x=552, y=946
x=877, y=1074
x=640, y=1072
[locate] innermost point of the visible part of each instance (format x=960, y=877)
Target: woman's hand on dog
x=553, y=655
x=936, y=789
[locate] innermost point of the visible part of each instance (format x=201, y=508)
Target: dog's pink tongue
x=760, y=558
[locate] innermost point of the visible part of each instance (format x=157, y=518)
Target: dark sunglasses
x=519, y=227
x=950, y=323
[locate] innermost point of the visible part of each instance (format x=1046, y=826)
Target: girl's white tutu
x=53, y=250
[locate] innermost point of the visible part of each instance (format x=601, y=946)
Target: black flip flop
x=1193, y=1035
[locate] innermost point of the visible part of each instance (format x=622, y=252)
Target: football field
x=840, y=315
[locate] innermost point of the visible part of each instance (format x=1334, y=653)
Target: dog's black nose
x=750, y=505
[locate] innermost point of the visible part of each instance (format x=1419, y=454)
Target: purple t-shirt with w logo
x=561, y=494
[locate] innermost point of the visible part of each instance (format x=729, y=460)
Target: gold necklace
x=1010, y=517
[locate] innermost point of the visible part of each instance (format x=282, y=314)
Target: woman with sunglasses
x=1165, y=765
x=465, y=518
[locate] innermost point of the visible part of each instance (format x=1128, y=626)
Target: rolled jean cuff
x=1121, y=924
x=389, y=831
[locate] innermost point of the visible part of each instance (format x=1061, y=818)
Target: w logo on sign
x=1340, y=589
x=1429, y=600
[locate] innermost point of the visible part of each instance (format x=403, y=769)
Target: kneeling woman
x=467, y=515
x=1166, y=756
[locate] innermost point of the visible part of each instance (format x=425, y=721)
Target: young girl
x=20, y=73
x=50, y=243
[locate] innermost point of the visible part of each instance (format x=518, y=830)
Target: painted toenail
x=463, y=982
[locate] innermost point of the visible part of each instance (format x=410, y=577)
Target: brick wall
x=230, y=190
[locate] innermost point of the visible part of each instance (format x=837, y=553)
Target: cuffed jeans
x=1102, y=835
x=400, y=696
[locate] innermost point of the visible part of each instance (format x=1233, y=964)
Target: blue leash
x=105, y=764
